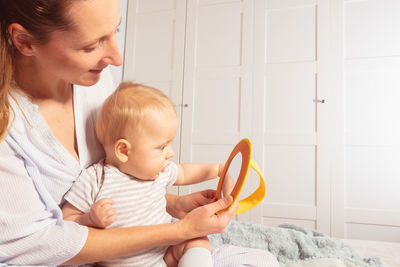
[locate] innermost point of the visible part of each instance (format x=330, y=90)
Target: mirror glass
x=232, y=174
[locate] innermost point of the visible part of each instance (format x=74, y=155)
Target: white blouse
x=36, y=170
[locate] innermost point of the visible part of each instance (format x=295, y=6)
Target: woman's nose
x=113, y=55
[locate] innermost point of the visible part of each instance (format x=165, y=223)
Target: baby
x=136, y=126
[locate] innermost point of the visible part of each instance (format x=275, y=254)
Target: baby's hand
x=102, y=213
x=228, y=185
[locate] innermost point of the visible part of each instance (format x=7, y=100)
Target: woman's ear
x=21, y=39
x=122, y=148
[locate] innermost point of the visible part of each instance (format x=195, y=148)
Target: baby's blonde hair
x=123, y=111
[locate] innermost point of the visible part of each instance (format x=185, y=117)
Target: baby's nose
x=170, y=154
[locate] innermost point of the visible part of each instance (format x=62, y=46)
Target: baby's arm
x=101, y=214
x=228, y=184
x=193, y=173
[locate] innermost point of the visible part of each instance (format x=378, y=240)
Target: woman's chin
x=89, y=80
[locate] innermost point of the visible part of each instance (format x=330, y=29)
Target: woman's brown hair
x=39, y=18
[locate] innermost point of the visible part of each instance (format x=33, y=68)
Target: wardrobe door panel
x=218, y=75
x=147, y=6
x=286, y=50
x=290, y=90
x=367, y=203
x=154, y=42
x=291, y=33
x=216, y=106
x=219, y=34
x=296, y=181
x=371, y=27
x=154, y=49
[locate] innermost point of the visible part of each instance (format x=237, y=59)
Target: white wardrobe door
x=117, y=72
x=217, y=84
x=368, y=207
x=288, y=125
x=154, y=50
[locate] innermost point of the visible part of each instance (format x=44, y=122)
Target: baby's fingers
x=110, y=219
x=104, y=201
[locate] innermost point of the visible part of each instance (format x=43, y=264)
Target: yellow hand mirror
x=241, y=156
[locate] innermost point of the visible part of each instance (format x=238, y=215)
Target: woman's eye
x=90, y=49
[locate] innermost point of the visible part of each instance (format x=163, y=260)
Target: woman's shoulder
x=22, y=113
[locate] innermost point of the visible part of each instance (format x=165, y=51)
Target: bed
x=388, y=252
x=295, y=246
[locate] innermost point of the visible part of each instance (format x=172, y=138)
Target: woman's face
x=79, y=56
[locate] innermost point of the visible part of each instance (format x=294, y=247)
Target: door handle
x=182, y=105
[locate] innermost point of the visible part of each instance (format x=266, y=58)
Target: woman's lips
x=96, y=71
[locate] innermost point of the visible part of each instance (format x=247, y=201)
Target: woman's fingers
x=232, y=210
x=221, y=204
x=225, y=216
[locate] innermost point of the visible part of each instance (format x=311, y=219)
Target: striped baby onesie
x=137, y=203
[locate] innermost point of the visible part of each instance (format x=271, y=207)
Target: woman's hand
x=203, y=220
x=179, y=206
x=197, y=212
x=118, y=242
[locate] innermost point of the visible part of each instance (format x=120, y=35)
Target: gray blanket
x=289, y=243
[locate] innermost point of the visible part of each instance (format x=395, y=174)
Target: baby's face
x=151, y=149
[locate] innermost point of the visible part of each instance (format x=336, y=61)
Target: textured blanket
x=290, y=243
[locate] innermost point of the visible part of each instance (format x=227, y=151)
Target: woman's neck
x=37, y=84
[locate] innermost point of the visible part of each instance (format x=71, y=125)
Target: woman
x=53, y=80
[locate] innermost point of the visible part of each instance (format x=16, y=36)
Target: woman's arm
x=32, y=230
x=106, y=244
x=33, y=233
x=101, y=214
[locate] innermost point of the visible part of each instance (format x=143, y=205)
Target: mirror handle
x=257, y=196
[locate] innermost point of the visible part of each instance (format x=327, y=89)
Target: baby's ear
x=121, y=149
